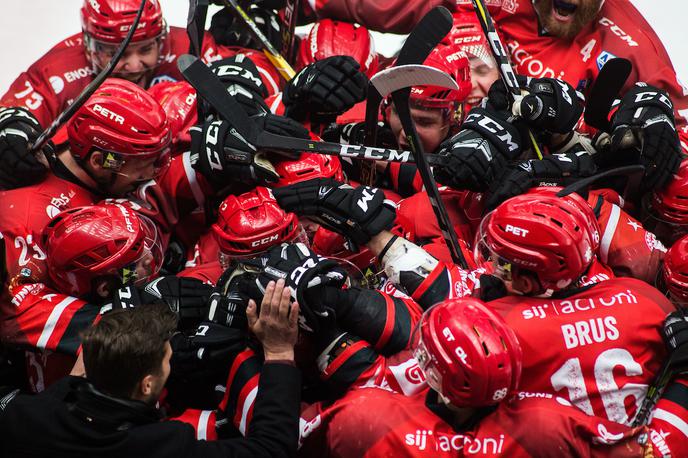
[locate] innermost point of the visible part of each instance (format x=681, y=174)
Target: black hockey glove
x=645, y=121
x=551, y=104
x=222, y=156
x=675, y=334
x=326, y=87
x=208, y=351
x=281, y=125
x=230, y=296
x=186, y=297
x=229, y=32
x=19, y=128
x=305, y=273
x=479, y=153
x=356, y=213
x=354, y=134
x=241, y=78
x=554, y=170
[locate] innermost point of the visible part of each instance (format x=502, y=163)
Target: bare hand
x=276, y=327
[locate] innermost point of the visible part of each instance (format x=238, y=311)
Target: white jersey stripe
x=191, y=176
x=202, y=431
x=52, y=321
x=244, y=411
x=609, y=232
x=675, y=421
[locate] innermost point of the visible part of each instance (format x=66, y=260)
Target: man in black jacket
x=112, y=413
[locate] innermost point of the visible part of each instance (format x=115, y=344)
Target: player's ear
x=95, y=160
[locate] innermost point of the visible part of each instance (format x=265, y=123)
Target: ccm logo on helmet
x=469, y=39
x=265, y=240
x=518, y=231
x=126, y=27
x=108, y=114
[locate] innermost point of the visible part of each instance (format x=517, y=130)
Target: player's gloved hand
x=19, y=128
x=356, y=213
x=554, y=170
x=354, y=134
x=645, y=121
x=328, y=86
x=223, y=156
x=209, y=350
x=229, y=32
x=551, y=104
x=241, y=78
x=479, y=153
x=305, y=273
x=675, y=334
x=281, y=125
x=229, y=299
x=187, y=297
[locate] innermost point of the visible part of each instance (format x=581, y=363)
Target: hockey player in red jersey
x=472, y=362
x=544, y=248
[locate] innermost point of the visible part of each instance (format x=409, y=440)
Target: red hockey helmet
x=468, y=353
x=251, y=223
x=466, y=35
x=178, y=99
x=107, y=241
x=307, y=167
x=124, y=121
x=670, y=204
x=450, y=60
x=493, y=6
x=336, y=38
x=675, y=271
x=553, y=237
x=109, y=21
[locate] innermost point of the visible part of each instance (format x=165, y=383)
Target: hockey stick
x=400, y=97
x=500, y=56
x=417, y=47
x=291, y=16
x=211, y=89
x=195, y=29
x=66, y=115
x=604, y=91
x=633, y=172
x=271, y=53
x=405, y=76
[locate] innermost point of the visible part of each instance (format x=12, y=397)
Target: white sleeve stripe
x=268, y=77
x=191, y=176
x=674, y=420
x=202, y=431
x=276, y=103
x=244, y=411
x=609, y=232
x=311, y=3
x=52, y=322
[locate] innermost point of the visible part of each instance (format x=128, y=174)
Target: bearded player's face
x=566, y=18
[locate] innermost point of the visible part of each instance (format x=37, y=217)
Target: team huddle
x=541, y=315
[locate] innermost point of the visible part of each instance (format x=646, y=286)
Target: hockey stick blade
x=394, y=78
x=604, y=91
x=211, y=89
x=418, y=45
x=66, y=115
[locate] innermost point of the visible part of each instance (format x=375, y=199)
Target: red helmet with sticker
x=122, y=119
x=252, y=222
x=466, y=35
x=104, y=241
x=555, y=238
x=450, y=60
x=675, y=271
x=178, y=100
x=307, y=167
x=468, y=353
x=336, y=38
x=109, y=21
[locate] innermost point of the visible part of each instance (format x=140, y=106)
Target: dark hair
x=125, y=346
